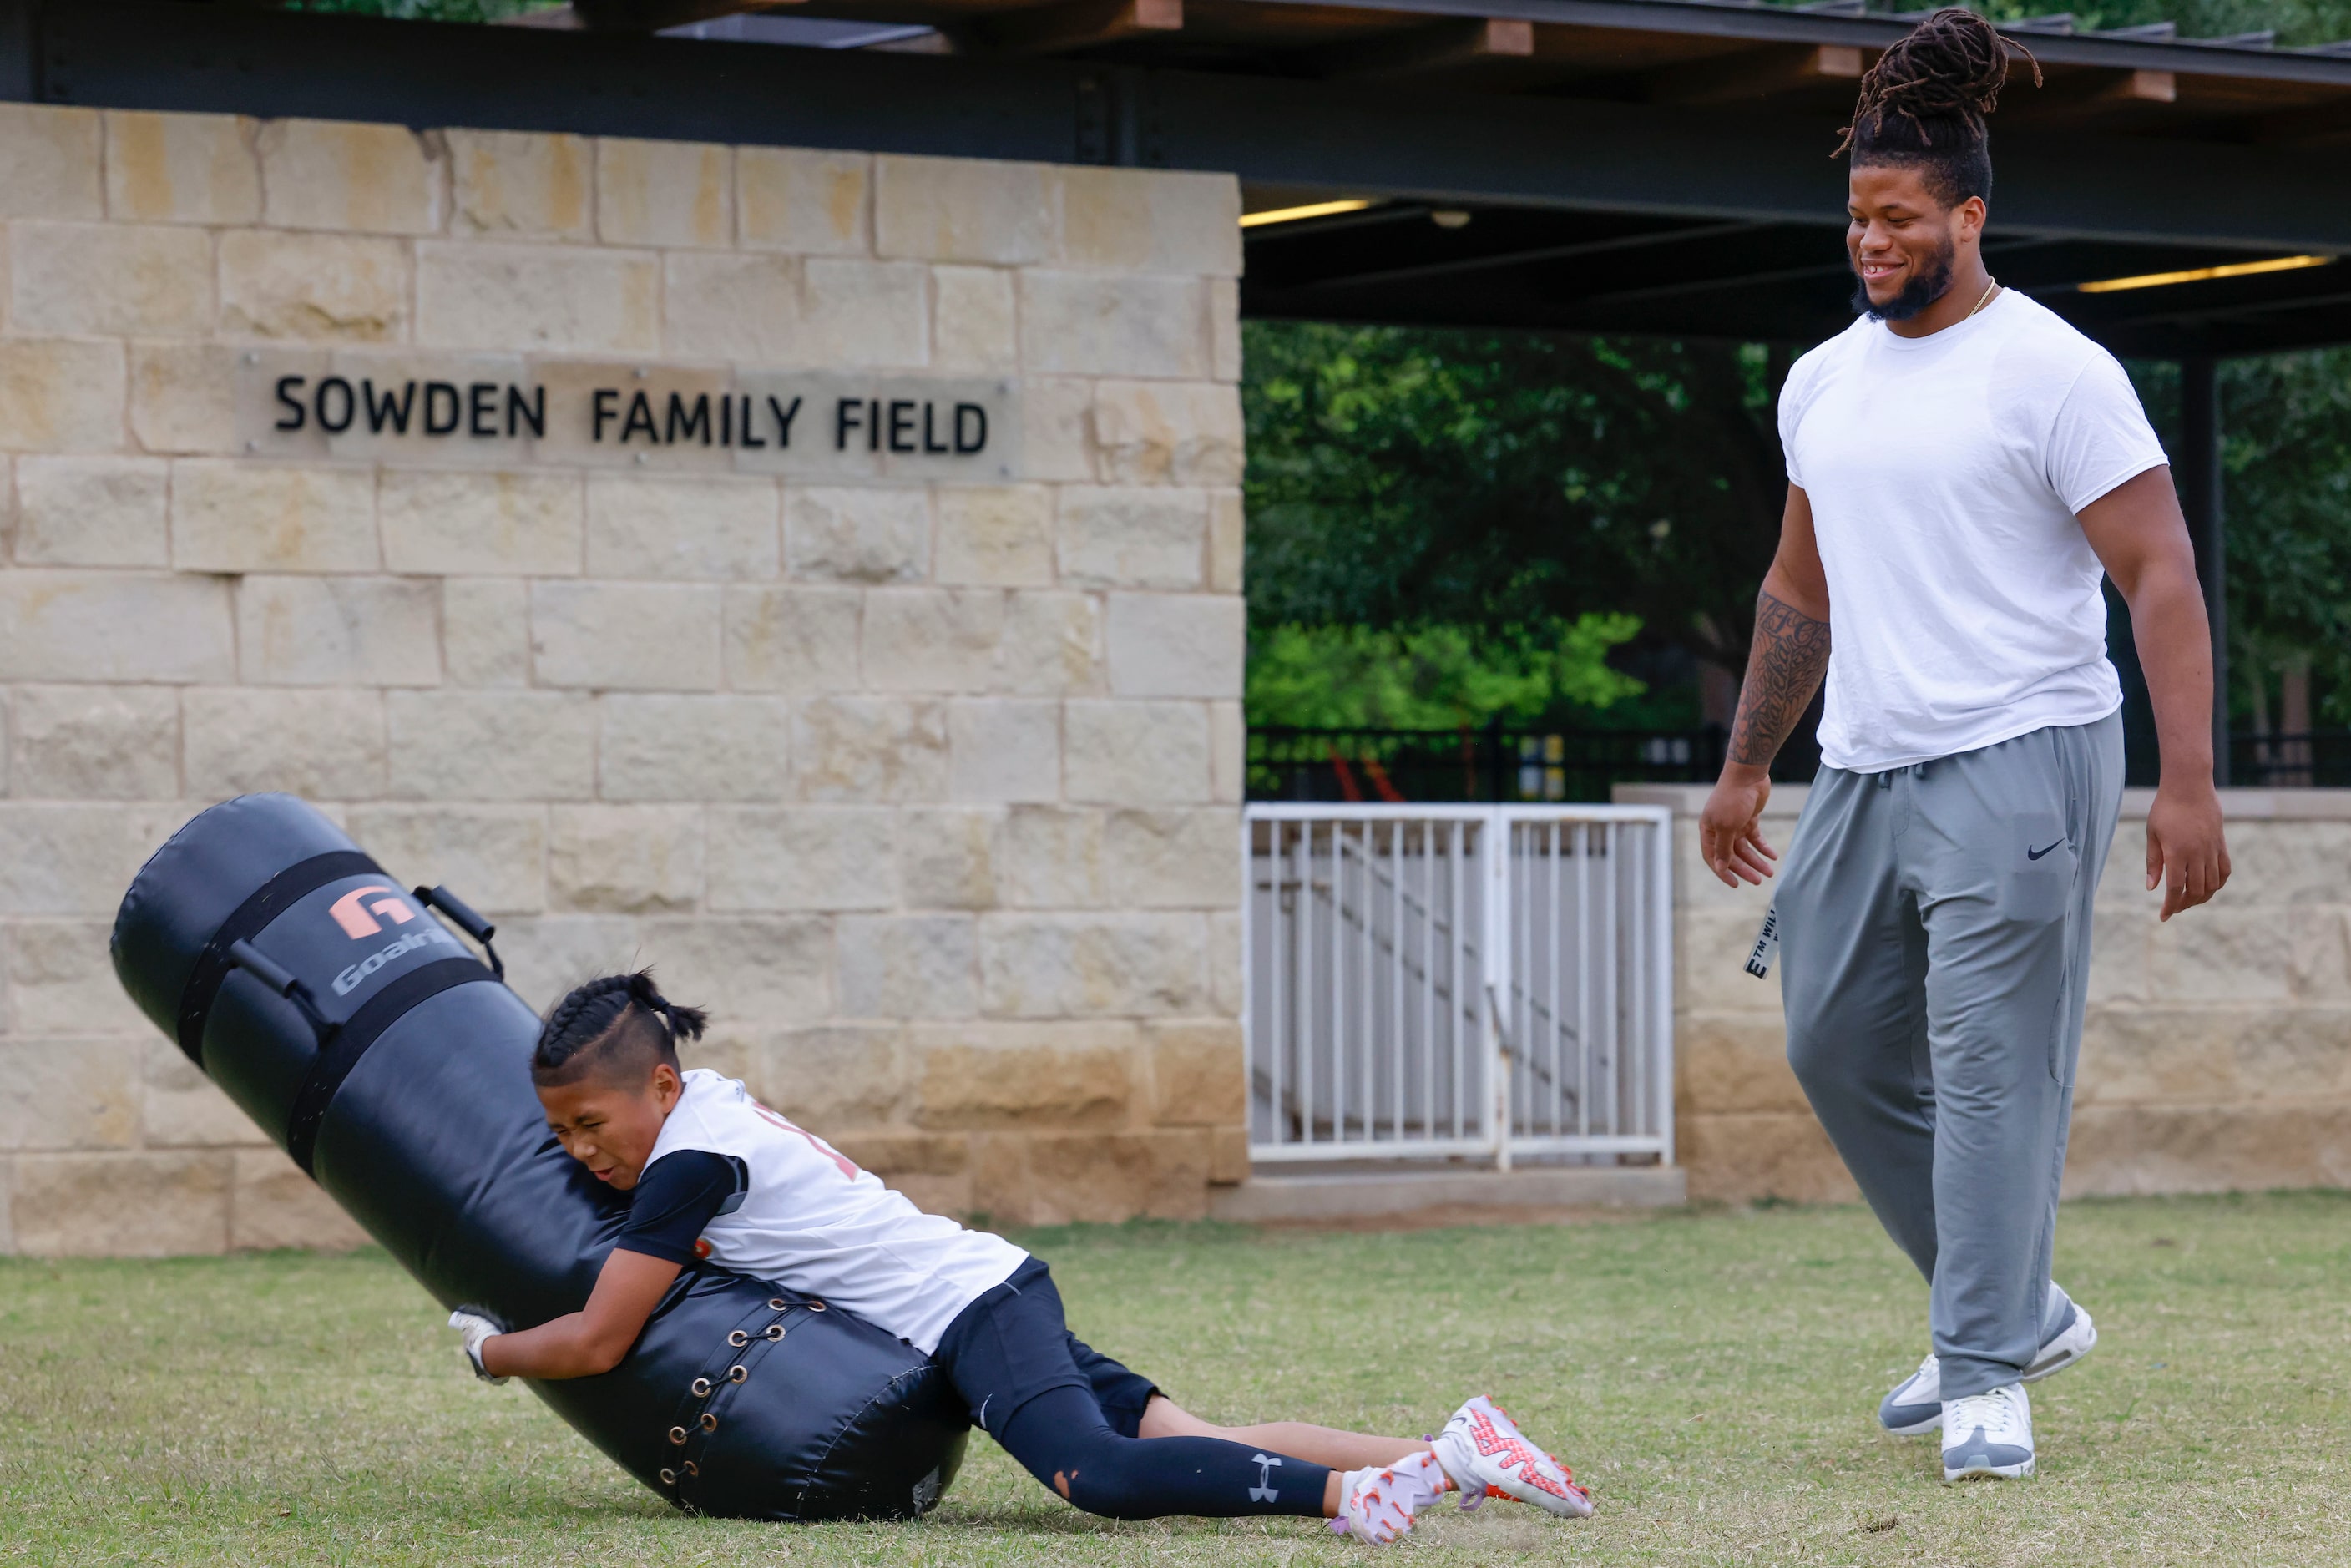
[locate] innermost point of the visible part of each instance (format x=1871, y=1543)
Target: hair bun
x=1949, y=67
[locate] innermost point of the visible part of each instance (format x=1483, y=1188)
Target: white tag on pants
x=1767, y=944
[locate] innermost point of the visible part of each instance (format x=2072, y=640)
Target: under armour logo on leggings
x=1263, y=1492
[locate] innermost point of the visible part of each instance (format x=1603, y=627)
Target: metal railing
x=1499, y=766
x=2319, y=760
x=1458, y=980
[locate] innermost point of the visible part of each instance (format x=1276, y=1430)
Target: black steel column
x=2199, y=480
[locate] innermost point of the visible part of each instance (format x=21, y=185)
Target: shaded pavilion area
x=1629, y=166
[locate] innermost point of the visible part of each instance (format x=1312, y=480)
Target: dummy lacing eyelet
x=738, y=1339
x=677, y=1437
x=669, y=1478
x=775, y=1332
x=709, y=1422
x=777, y=1304
x=702, y=1386
x=689, y=1466
x=738, y=1373
x=816, y=1306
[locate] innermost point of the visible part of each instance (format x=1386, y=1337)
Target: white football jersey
x=812, y=1222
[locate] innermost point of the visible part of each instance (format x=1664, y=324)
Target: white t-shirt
x=1945, y=475
x=811, y=1221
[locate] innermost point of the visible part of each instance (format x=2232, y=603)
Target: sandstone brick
x=870, y=749
x=339, y=630
x=1176, y=645
x=995, y=536
x=1058, y=443
x=997, y=1182
x=1228, y=752
x=973, y=323
x=114, y=626
x=326, y=744
x=337, y=174
x=2295, y=862
x=742, y=307
x=182, y=168
x=1050, y=857
x=439, y=523
x=961, y=209
x=1227, y=541
x=931, y=640
x=180, y=1108
x=49, y=161
x=69, y=1094
x=486, y=631
x=808, y=202
x=121, y=1205
x=1135, y=753
x=668, y=193
x=1198, y=1074
x=2289, y=1054
x=1742, y=1158
x=229, y=516
x=573, y=383
x=1174, y=859
x=857, y=535
x=84, y=743
x=345, y=288
x=844, y=1075
x=867, y=313
x=683, y=527
x=110, y=279
x=2236, y=955
x=1139, y=220
x=2132, y=1150
x=1229, y=1156
x=625, y=636
x=7, y=1220
x=1734, y=1063
x=908, y=966
x=546, y=954
x=60, y=396
x=803, y=858
x=1053, y=644
x=1090, y=966
x=1168, y=433
x=993, y=1088
x=1224, y=329
x=1004, y=749
x=491, y=746
x=521, y=184
x=755, y=972
x=946, y=858
x=630, y=860
x=272, y=1205
x=64, y=858
x=493, y=857
x=1225, y=958
x=1111, y=1177
x=61, y=984
x=1710, y=962
x=537, y=297
x=696, y=748
x=801, y=640
x=1091, y=324
x=92, y=511
x=183, y=397
x=1132, y=538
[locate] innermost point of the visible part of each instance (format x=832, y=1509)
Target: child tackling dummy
x=717, y=1176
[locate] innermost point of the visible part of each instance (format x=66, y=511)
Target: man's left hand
x=2187, y=851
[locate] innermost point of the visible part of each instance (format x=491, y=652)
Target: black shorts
x=1012, y=1343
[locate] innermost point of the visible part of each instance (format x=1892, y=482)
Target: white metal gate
x=1450, y=980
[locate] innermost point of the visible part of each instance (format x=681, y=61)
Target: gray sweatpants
x=1934, y=933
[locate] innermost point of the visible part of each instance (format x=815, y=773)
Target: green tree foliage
x=426, y=10
x=2287, y=457
x=1433, y=678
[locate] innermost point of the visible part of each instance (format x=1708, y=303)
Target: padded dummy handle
x=277, y=977
x=471, y=924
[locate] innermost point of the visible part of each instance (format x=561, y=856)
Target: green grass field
x=1712, y=1375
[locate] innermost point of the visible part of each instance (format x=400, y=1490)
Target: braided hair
x=618, y=1025
x=1923, y=104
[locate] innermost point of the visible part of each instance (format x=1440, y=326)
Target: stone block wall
x=2217, y=1051
x=926, y=784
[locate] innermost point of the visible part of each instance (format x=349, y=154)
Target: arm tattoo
x=1783, y=669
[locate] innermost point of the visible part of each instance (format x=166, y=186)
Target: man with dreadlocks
x=1961, y=465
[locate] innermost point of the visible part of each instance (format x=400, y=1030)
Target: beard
x=1928, y=283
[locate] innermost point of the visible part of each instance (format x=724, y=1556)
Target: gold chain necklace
x=1987, y=293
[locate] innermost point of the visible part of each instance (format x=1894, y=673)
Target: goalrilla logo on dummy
x=357, y=916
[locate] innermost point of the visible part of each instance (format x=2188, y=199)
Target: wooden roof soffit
x=1071, y=24
x=641, y=16
x=1445, y=46
x=1761, y=73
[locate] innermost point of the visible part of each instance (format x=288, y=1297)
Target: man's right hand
x=1729, y=832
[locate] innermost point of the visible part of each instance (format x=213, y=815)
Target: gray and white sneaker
x=1989, y=1437
x=1915, y=1405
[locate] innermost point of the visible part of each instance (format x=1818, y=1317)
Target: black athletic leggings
x=1069, y=1414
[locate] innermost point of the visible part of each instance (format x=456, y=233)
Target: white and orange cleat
x=1376, y=1505
x=1486, y=1455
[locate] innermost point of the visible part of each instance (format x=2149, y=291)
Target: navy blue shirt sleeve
x=676, y=1198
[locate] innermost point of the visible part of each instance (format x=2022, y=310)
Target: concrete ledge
x=1322, y=1195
